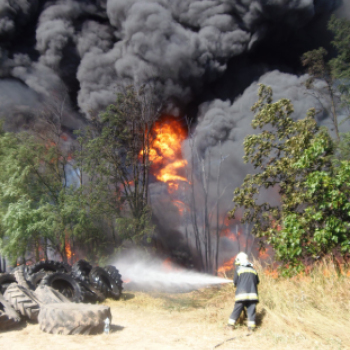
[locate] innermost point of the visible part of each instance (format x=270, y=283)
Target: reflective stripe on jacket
x=246, y=280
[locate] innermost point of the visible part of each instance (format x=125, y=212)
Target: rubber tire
x=35, y=279
x=21, y=276
x=81, y=270
x=48, y=295
x=49, y=266
x=115, y=276
x=23, y=301
x=65, y=284
x=5, y=280
x=6, y=308
x=100, y=279
x=9, y=318
x=67, y=318
x=7, y=323
x=92, y=295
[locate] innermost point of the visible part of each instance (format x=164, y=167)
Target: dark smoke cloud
x=14, y=14
x=218, y=138
x=344, y=10
x=91, y=48
x=182, y=44
x=222, y=127
x=217, y=143
x=81, y=53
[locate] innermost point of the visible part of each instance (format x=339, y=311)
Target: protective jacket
x=246, y=281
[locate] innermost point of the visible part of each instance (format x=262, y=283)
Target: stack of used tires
x=48, y=292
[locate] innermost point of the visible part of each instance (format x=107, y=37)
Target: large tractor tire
x=23, y=301
x=49, y=266
x=9, y=318
x=115, y=276
x=6, y=322
x=81, y=271
x=92, y=295
x=5, y=280
x=48, y=295
x=100, y=279
x=66, y=285
x=68, y=318
x=21, y=277
x=35, y=279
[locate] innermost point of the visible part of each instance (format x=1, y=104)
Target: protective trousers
x=238, y=308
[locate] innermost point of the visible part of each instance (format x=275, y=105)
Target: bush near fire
x=310, y=169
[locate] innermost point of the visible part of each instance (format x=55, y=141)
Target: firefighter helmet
x=241, y=259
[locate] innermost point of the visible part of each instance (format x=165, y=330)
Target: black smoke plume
x=203, y=58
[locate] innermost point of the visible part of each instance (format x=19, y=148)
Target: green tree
x=116, y=158
x=318, y=68
x=293, y=157
x=335, y=73
x=322, y=226
x=42, y=208
x=39, y=209
x=340, y=65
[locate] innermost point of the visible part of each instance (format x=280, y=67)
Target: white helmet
x=242, y=259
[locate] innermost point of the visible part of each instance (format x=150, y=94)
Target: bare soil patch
x=172, y=321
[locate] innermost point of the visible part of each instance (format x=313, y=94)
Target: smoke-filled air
x=166, y=165
x=198, y=65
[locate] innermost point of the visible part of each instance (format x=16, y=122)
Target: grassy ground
x=312, y=310
x=305, y=312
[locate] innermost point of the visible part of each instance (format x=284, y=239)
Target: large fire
x=226, y=267
x=168, y=266
x=68, y=249
x=165, y=152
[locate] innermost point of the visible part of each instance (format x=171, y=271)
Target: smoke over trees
x=92, y=47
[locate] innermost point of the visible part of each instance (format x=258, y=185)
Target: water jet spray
x=152, y=274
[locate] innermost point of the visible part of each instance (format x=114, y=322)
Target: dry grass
x=310, y=311
x=316, y=306
x=307, y=312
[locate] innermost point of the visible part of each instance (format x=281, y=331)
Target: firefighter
x=246, y=281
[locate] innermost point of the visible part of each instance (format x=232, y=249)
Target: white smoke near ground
x=142, y=271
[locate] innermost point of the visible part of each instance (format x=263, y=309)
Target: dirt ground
x=137, y=325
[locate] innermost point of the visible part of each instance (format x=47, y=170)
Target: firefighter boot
x=231, y=324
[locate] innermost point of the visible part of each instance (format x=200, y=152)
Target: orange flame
x=165, y=153
x=271, y=273
x=263, y=254
x=68, y=249
x=231, y=236
x=64, y=137
x=181, y=206
x=169, y=266
x=227, y=266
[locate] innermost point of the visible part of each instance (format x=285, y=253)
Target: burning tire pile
x=49, y=292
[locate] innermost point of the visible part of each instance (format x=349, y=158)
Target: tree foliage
x=39, y=210
x=294, y=158
x=117, y=160
x=340, y=64
x=319, y=69
x=335, y=73
x=58, y=195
